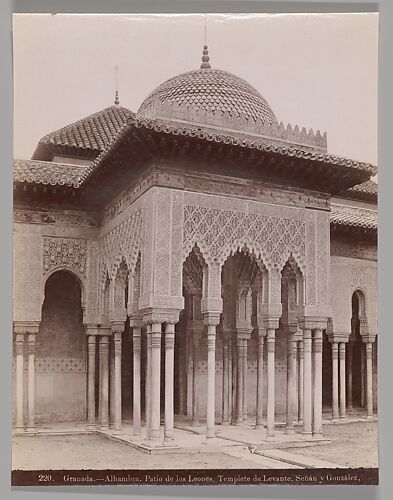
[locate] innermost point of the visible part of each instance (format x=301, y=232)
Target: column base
x=335, y=419
x=225, y=423
x=18, y=430
x=306, y=433
x=370, y=417
x=343, y=417
x=259, y=427
x=31, y=430
x=270, y=436
x=317, y=435
x=290, y=430
x=104, y=427
x=91, y=427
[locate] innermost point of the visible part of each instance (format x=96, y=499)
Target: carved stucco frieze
x=358, y=279
x=65, y=253
x=123, y=242
x=220, y=232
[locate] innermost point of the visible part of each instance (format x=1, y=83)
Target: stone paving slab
x=297, y=460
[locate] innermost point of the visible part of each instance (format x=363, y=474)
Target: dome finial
x=205, y=58
x=117, y=102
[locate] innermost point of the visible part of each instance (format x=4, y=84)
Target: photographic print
x=195, y=249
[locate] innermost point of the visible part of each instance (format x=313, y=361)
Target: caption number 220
x=44, y=478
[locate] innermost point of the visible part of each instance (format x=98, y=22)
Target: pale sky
x=315, y=70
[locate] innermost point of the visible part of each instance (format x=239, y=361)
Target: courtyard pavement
x=352, y=444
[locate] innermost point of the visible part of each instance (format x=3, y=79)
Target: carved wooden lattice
x=123, y=242
x=220, y=232
x=66, y=253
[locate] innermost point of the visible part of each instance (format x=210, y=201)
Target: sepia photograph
x=195, y=249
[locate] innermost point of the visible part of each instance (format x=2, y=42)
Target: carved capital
x=26, y=327
x=91, y=344
x=313, y=322
x=334, y=350
x=117, y=328
x=339, y=337
x=136, y=338
x=103, y=344
x=271, y=322
x=91, y=329
x=369, y=350
x=155, y=315
x=211, y=318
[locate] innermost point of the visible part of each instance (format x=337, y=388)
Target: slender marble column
x=261, y=337
x=307, y=383
x=291, y=382
x=155, y=380
x=300, y=381
x=342, y=380
x=245, y=377
x=111, y=382
x=240, y=383
x=148, y=382
x=211, y=380
x=317, y=348
x=362, y=375
x=196, y=339
x=369, y=374
x=271, y=344
x=225, y=382
x=136, y=407
x=19, y=348
x=230, y=380
x=335, y=412
x=117, y=376
x=91, y=379
x=182, y=374
x=104, y=381
x=31, y=338
x=169, y=381
x=349, y=376
x=234, y=381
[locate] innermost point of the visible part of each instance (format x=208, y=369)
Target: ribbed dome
x=210, y=91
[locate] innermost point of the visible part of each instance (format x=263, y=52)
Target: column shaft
x=169, y=381
x=31, y=381
x=91, y=380
x=307, y=383
x=211, y=380
x=300, y=382
x=369, y=375
x=271, y=341
x=104, y=381
x=195, y=379
x=136, y=407
x=111, y=382
x=225, y=382
x=362, y=376
x=245, y=378
x=343, y=411
x=19, y=361
x=240, y=383
x=117, y=376
x=148, y=382
x=349, y=376
x=335, y=412
x=291, y=382
x=317, y=348
x=259, y=420
x=155, y=379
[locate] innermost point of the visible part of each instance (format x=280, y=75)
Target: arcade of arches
x=244, y=365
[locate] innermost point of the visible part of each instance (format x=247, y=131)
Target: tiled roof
x=94, y=132
x=49, y=173
x=355, y=217
x=212, y=90
x=365, y=190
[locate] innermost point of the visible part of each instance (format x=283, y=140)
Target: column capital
x=92, y=329
x=368, y=339
x=338, y=338
x=313, y=322
x=26, y=327
x=19, y=343
x=271, y=322
x=136, y=321
x=158, y=315
x=243, y=333
x=211, y=318
x=117, y=327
